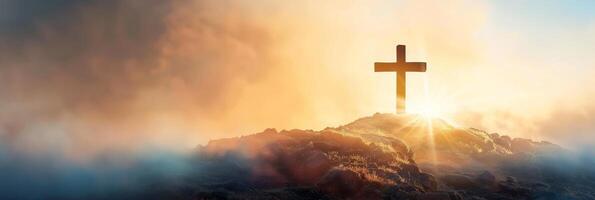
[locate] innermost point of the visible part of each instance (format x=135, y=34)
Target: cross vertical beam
x=401, y=66
x=401, y=80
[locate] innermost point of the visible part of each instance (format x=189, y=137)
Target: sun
x=439, y=108
x=436, y=104
x=431, y=107
x=430, y=111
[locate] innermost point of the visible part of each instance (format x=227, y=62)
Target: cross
x=401, y=66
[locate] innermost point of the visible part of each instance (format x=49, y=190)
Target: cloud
x=80, y=78
x=79, y=67
x=93, y=75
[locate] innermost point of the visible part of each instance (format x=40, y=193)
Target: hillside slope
x=387, y=156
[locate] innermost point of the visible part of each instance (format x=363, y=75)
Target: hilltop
x=385, y=156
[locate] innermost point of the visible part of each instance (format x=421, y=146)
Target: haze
x=83, y=77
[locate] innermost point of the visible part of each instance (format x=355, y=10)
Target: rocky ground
x=384, y=156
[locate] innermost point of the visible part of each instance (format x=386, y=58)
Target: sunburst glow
x=433, y=105
x=429, y=110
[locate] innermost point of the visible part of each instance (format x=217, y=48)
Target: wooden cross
x=401, y=66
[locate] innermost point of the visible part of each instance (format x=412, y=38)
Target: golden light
x=428, y=110
x=433, y=105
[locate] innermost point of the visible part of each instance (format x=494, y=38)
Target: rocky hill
x=387, y=156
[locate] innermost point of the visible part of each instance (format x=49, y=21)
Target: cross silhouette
x=401, y=66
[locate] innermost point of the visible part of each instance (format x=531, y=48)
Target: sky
x=80, y=78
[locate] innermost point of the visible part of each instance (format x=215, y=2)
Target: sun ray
x=429, y=123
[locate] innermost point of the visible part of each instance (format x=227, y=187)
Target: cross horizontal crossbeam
x=394, y=67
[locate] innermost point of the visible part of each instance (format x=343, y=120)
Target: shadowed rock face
x=384, y=156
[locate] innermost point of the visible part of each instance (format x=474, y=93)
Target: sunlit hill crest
x=435, y=141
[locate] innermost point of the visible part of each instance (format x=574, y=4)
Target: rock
x=486, y=178
x=439, y=196
x=503, y=141
x=270, y=131
x=511, y=187
x=313, y=165
x=433, y=196
x=409, y=168
x=521, y=145
x=344, y=143
x=341, y=183
x=456, y=181
x=428, y=182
